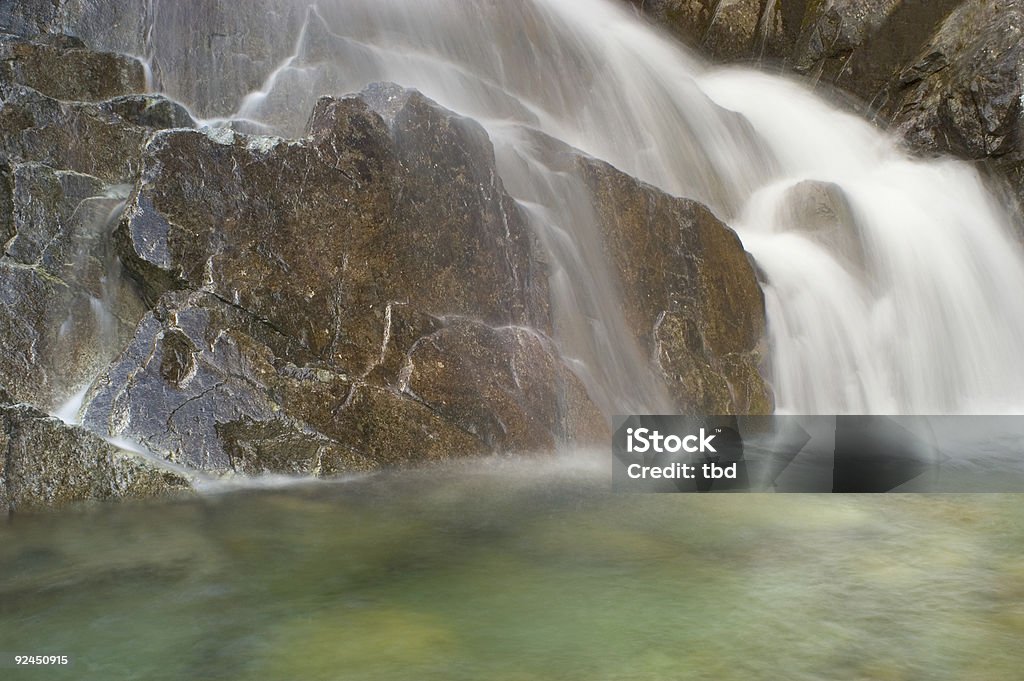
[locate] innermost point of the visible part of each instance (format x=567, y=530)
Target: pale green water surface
x=519, y=572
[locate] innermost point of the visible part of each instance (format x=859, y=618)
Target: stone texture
x=727, y=30
x=855, y=45
x=57, y=262
x=690, y=292
x=368, y=295
x=88, y=138
x=61, y=163
x=504, y=385
x=207, y=384
x=63, y=68
x=963, y=95
x=860, y=45
x=46, y=464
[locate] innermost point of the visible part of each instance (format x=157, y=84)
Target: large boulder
x=368, y=295
x=45, y=464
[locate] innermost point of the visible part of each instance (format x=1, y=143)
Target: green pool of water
x=519, y=572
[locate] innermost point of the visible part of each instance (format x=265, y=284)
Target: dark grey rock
x=83, y=137
x=46, y=464
x=860, y=45
x=149, y=111
x=963, y=95
x=67, y=70
x=726, y=30
x=57, y=265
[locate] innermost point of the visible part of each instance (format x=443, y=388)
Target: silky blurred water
x=529, y=571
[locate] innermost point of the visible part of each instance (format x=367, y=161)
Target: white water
x=907, y=304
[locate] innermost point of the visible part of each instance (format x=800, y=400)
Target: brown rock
x=690, y=292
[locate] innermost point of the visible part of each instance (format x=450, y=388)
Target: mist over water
x=891, y=283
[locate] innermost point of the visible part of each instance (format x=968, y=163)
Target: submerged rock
x=822, y=211
x=205, y=52
x=45, y=464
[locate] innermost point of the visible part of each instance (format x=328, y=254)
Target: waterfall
x=91, y=322
x=891, y=283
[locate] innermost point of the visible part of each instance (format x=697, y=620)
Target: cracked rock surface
x=367, y=295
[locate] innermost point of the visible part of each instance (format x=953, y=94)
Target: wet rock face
x=366, y=296
x=71, y=128
x=99, y=139
x=46, y=464
x=63, y=68
x=504, y=385
x=963, y=95
x=57, y=261
x=212, y=69
x=727, y=30
x=318, y=236
x=210, y=385
x=59, y=160
x=690, y=292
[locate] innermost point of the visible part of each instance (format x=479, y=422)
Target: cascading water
x=95, y=312
x=891, y=283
